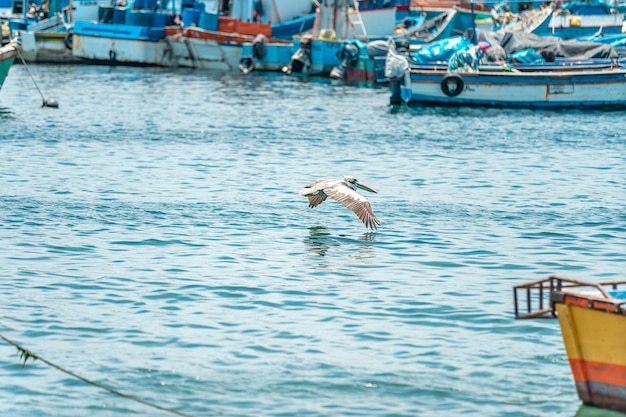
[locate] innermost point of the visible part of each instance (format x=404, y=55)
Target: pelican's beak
x=365, y=187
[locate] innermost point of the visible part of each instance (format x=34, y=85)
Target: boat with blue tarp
x=536, y=72
x=340, y=23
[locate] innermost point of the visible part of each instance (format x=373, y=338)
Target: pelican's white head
x=354, y=184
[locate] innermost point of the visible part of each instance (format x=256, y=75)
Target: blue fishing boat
x=262, y=56
x=539, y=88
x=246, y=38
x=148, y=34
x=44, y=28
x=359, y=61
x=352, y=49
x=131, y=36
x=571, y=20
x=276, y=55
x=337, y=25
x=564, y=74
x=469, y=14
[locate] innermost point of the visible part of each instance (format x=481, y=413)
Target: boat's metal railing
x=536, y=299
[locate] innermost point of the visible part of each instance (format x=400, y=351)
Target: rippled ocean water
x=153, y=241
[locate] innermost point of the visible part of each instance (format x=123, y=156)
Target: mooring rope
x=26, y=354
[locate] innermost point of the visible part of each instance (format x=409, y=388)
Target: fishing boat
x=139, y=41
x=548, y=86
x=470, y=14
x=337, y=24
x=208, y=40
x=8, y=52
x=571, y=20
x=592, y=317
x=46, y=36
x=152, y=35
x=420, y=6
x=346, y=45
x=573, y=74
x=130, y=34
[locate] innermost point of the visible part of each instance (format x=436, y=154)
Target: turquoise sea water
x=153, y=240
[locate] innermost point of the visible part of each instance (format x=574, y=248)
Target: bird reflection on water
x=320, y=241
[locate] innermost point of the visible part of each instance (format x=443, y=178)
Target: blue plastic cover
x=130, y=32
x=587, y=7
x=441, y=50
x=526, y=56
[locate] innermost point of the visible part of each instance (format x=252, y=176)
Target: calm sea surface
x=153, y=240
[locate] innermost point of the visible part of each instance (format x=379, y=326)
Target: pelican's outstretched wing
x=354, y=201
x=315, y=191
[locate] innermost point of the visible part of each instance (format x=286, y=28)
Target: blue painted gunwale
x=118, y=31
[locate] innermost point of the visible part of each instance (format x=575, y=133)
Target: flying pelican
x=344, y=191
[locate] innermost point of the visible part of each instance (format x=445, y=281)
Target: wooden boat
x=336, y=24
x=468, y=14
x=344, y=47
x=592, y=317
x=217, y=42
x=440, y=26
x=204, y=39
x=569, y=21
x=232, y=40
x=198, y=48
x=8, y=53
x=423, y=5
x=140, y=40
x=272, y=56
x=48, y=38
x=570, y=84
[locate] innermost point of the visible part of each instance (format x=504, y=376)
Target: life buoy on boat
x=452, y=85
x=69, y=36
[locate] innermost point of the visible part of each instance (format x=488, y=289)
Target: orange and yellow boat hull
x=595, y=342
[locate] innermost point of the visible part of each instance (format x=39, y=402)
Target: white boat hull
x=123, y=51
x=555, y=89
x=46, y=41
x=205, y=53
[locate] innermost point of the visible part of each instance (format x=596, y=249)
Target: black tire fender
x=69, y=36
x=452, y=80
x=246, y=64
